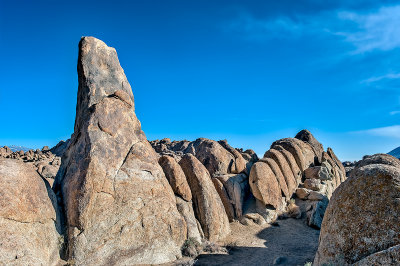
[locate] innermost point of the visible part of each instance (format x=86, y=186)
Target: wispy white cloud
x=394, y=112
x=391, y=131
x=383, y=77
x=282, y=27
x=376, y=30
x=379, y=30
x=259, y=29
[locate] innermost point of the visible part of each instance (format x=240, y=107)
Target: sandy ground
x=292, y=242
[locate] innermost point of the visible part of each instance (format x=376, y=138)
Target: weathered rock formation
x=194, y=229
x=218, y=157
x=44, y=161
x=215, y=157
x=228, y=168
x=122, y=200
x=250, y=157
x=265, y=186
x=296, y=166
x=208, y=206
x=388, y=256
x=60, y=148
x=119, y=206
x=307, y=137
x=361, y=224
x=237, y=189
x=30, y=229
x=176, y=177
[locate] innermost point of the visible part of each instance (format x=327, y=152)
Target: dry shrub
x=211, y=247
x=191, y=247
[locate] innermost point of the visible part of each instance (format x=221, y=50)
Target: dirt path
x=292, y=242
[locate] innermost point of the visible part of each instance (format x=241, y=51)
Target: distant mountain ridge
x=18, y=148
x=395, y=152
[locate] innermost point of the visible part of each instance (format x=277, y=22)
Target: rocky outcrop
x=390, y=256
x=30, y=228
x=297, y=173
x=289, y=178
x=228, y=168
x=250, y=157
x=379, y=158
x=265, y=186
x=301, y=151
x=223, y=195
x=60, y=148
x=119, y=206
x=194, y=230
x=215, y=157
x=218, y=157
x=297, y=166
x=239, y=161
x=5, y=151
x=208, y=206
x=348, y=167
x=176, y=177
x=237, y=189
x=307, y=137
x=30, y=156
x=278, y=175
x=361, y=224
x=43, y=161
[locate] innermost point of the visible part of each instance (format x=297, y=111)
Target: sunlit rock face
x=361, y=224
x=119, y=206
x=30, y=228
x=296, y=168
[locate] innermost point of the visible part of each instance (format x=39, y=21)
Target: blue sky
x=250, y=72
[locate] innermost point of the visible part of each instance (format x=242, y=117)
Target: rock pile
x=361, y=224
x=116, y=200
x=297, y=166
x=43, y=161
x=292, y=167
x=228, y=168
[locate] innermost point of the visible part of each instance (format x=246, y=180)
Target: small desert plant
x=190, y=262
x=211, y=247
x=61, y=242
x=191, y=247
x=70, y=262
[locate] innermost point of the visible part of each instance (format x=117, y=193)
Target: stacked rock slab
x=194, y=229
x=307, y=137
x=218, y=157
x=361, y=224
x=215, y=157
x=237, y=188
x=60, y=148
x=30, y=229
x=250, y=157
x=119, y=206
x=177, y=179
x=228, y=167
x=296, y=166
x=208, y=206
